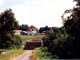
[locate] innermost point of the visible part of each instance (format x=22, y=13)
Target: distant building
x=31, y=44
x=49, y=31
x=29, y=31
x=17, y=32
x=32, y=31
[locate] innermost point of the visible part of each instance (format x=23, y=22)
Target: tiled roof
x=17, y=31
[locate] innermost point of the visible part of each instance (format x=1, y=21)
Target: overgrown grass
x=11, y=54
x=42, y=54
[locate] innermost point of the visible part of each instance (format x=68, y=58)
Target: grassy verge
x=11, y=54
x=41, y=54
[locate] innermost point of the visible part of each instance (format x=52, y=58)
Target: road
x=24, y=56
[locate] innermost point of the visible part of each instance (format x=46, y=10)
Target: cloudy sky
x=38, y=12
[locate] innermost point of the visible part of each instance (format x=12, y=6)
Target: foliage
x=72, y=26
x=66, y=45
x=54, y=42
x=23, y=27
x=42, y=54
x=47, y=29
x=17, y=43
x=7, y=24
x=32, y=26
x=48, y=41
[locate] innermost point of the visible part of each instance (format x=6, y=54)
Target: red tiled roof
x=17, y=31
x=29, y=29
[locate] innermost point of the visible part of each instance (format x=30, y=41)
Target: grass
x=41, y=54
x=26, y=37
x=33, y=56
x=11, y=54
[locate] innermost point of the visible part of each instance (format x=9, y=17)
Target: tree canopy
x=7, y=24
x=66, y=45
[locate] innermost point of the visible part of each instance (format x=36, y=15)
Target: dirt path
x=24, y=56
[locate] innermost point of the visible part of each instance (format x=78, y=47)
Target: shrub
x=42, y=54
x=17, y=43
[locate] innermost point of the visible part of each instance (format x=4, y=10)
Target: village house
x=49, y=31
x=31, y=31
x=17, y=32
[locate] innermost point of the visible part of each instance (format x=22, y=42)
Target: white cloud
x=27, y=2
x=42, y=12
x=1, y=2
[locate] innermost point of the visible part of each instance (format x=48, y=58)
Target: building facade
x=32, y=44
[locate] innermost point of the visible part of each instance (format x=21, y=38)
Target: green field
x=26, y=37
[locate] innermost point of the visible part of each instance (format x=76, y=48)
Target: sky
x=38, y=13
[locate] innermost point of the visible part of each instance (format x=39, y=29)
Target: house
x=32, y=31
x=29, y=29
x=28, y=33
x=49, y=31
x=17, y=32
x=32, y=44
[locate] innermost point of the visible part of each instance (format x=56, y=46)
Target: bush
x=55, y=44
x=42, y=53
x=17, y=43
x=55, y=57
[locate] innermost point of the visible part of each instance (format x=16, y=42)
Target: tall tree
x=72, y=26
x=7, y=24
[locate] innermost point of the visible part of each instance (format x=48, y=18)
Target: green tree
x=72, y=26
x=7, y=24
x=49, y=41
x=67, y=46
x=23, y=27
x=32, y=26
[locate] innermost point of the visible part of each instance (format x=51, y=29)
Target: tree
x=48, y=41
x=32, y=26
x=23, y=27
x=72, y=26
x=7, y=24
x=46, y=28
x=67, y=45
x=41, y=29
